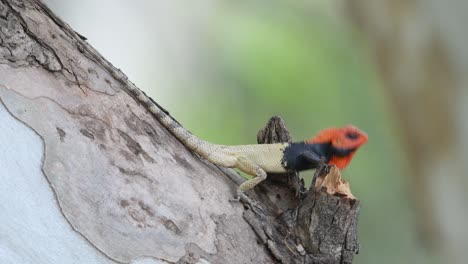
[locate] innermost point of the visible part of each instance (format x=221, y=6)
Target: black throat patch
x=293, y=155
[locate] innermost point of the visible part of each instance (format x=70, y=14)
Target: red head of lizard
x=344, y=142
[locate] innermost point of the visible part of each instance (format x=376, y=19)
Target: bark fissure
x=39, y=50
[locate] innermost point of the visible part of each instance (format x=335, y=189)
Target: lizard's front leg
x=253, y=169
x=317, y=161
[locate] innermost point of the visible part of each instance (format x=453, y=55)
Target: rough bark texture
x=123, y=189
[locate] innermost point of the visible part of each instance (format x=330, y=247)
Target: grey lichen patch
x=3, y=10
x=129, y=156
x=20, y=48
x=86, y=133
x=138, y=173
x=143, y=215
x=94, y=128
x=61, y=133
x=124, y=203
x=146, y=208
x=142, y=127
x=169, y=224
x=134, y=146
x=183, y=162
x=23, y=4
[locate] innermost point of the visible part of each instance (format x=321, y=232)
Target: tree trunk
x=420, y=48
x=89, y=176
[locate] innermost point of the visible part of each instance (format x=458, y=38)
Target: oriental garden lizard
x=333, y=145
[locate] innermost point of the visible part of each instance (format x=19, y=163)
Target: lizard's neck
x=292, y=155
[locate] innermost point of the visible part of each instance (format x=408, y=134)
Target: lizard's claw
x=235, y=199
x=248, y=203
x=321, y=171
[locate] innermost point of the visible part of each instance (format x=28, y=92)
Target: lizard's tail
x=195, y=144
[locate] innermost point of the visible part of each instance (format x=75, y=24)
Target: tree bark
x=89, y=176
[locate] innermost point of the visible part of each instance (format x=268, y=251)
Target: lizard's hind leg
x=253, y=169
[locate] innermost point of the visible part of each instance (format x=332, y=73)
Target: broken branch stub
x=334, y=184
x=281, y=190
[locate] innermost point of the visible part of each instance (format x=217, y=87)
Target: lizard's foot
x=240, y=196
x=248, y=203
x=321, y=171
x=237, y=198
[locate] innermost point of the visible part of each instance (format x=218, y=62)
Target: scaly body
x=336, y=145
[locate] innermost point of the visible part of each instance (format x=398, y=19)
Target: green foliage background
x=315, y=72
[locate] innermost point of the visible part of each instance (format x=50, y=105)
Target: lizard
x=333, y=146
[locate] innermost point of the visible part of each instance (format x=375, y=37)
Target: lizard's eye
x=352, y=135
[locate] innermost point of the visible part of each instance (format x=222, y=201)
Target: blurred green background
x=224, y=68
